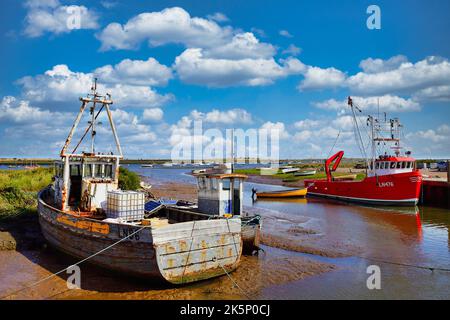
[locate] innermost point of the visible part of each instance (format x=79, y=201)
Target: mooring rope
x=79, y=262
x=235, y=283
x=189, y=252
x=404, y=264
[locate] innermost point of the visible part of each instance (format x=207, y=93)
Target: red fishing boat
x=390, y=179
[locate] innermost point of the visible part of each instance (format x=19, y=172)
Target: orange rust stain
x=183, y=245
x=170, y=263
x=204, y=244
x=84, y=225
x=230, y=252
x=203, y=256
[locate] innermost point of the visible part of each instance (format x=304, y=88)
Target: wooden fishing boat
x=305, y=173
x=290, y=193
x=75, y=217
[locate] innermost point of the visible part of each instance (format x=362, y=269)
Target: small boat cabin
x=220, y=193
x=82, y=182
x=386, y=165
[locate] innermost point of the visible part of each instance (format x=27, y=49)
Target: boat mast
x=359, y=140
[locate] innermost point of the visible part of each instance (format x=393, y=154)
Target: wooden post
x=448, y=171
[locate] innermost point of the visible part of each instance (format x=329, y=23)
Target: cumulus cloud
x=218, y=16
x=292, y=50
x=49, y=16
x=194, y=68
x=241, y=46
x=153, y=114
x=13, y=110
x=319, y=78
x=171, y=25
x=370, y=65
x=307, y=124
x=430, y=143
x=60, y=84
x=136, y=72
x=232, y=116
x=285, y=34
x=386, y=103
x=427, y=79
x=277, y=126
x=407, y=77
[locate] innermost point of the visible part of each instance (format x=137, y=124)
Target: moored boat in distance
x=290, y=193
x=392, y=180
x=305, y=173
x=84, y=214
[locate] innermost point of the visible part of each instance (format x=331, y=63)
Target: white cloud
x=285, y=34
x=192, y=67
x=20, y=111
x=136, y=72
x=277, y=126
x=50, y=16
x=241, y=46
x=370, y=65
x=218, y=16
x=407, y=77
x=386, y=103
x=232, y=116
x=307, y=124
x=292, y=50
x=318, y=78
x=171, y=25
x=438, y=93
x=60, y=84
x=109, y=4
x=153, y=114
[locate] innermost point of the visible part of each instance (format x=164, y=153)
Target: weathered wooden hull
x=178, y=253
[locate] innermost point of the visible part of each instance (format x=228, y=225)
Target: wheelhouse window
x=392, y=165
x=108, y=171
x=88, y=170
x=377, y=165
x=202, y=183
x=404, y=165
x=214, y=184
x=226, y=184
x=399, y=165
x=99, y=171
x=75, y=170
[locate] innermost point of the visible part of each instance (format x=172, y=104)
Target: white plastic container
x=125, y=205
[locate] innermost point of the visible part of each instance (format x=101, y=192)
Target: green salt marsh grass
x=19, y=188
x=290, y=177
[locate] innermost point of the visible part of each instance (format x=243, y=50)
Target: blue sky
x=245, y=64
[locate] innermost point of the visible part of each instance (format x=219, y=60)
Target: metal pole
x=69, y=137
x=113, y=128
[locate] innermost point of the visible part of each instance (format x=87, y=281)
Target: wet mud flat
x=311, y=248
x=31, y=260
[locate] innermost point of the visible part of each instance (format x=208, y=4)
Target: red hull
x=392, y=189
